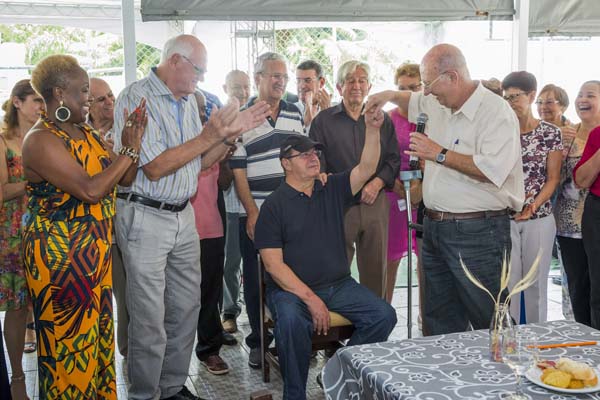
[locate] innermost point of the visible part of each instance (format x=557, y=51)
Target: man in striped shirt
x=155, y=222
x=257, y=172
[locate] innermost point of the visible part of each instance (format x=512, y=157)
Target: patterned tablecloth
x=448, y=367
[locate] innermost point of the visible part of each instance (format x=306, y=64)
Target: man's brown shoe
x=215, y=365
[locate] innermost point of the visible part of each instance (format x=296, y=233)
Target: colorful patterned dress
x=13, y=284
x=66, y=249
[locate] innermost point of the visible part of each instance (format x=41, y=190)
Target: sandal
x=18, y=390
x=30, y=347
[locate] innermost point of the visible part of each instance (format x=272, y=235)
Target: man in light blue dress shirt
x=155, y=222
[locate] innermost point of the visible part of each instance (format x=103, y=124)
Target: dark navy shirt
x=309, y=230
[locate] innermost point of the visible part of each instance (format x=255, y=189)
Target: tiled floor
x=242, y=380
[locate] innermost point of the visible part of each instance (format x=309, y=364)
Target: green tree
x=94, y=49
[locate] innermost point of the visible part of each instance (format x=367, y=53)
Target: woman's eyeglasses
x=511, y=98
x=546, y=103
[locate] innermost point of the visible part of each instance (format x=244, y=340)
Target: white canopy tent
x=546, y=17
x=531, y=17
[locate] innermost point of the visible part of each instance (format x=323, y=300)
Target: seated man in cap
x=300, y=235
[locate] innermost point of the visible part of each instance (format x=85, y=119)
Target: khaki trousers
x=366, y=228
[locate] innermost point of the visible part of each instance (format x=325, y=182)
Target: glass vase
x=501, y=323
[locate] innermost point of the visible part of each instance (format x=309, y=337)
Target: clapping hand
x=135, y=125
x=228, y=122
x=323, y=99
x=568, y=134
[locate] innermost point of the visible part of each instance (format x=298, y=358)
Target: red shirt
x=592, y=145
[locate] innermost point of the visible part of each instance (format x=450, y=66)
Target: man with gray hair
x=257, y=172
x=342, y=130
x=155, y=221
x=473, y=178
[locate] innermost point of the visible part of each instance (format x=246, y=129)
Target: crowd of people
x=165, y=198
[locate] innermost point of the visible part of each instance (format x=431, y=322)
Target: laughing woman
x=570, y=208
x=586, y=176
x=67, y=233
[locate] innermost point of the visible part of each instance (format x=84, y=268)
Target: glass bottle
x=501, y=322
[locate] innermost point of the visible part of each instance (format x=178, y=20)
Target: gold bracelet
x=131, y=153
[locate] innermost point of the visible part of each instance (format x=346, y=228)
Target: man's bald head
x=183, y=64
x=446, y=57
x=445, y=75
x=102, y=106
x=186, y=45
x=237, y=84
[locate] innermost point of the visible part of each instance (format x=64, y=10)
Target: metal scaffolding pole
x=520, y=35
x=130, y=67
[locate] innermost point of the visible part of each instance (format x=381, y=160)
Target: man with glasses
x=300, y=234
x=155, y=221
x=342, y=130
x=473, y=178
x=257, y=172
x=311, y=90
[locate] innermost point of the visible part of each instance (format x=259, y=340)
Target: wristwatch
x=441, y=157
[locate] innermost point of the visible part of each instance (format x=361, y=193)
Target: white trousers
x=528, y=238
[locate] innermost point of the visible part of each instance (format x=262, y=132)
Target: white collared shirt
x=486, y=128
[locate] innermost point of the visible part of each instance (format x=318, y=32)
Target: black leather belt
x=448, y=216
x=136, y=198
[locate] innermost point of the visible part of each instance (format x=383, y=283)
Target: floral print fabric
x=535, y=147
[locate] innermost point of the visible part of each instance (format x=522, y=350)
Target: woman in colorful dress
x=532, y=230
x=22, y=110
x=407, y=77
x=67, y=232
x=4, y=385
x=570, y=201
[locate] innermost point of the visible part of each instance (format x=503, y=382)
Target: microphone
x=421, y=122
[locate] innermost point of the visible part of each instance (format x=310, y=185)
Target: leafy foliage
x=93, y=49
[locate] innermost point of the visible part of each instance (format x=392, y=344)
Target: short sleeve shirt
x=259, y=151
x=591, y=147
x=309, y=230
x=535, y=147
x=486, y=128
x=171, y=122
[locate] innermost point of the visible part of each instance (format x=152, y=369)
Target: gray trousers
x=232, y=271
x=119, y=291
x=529, y=237
x=161, y=254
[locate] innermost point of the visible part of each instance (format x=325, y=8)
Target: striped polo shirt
x=259, y=151
x=171, y=122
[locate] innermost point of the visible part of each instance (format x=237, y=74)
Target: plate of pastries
x=565, y=375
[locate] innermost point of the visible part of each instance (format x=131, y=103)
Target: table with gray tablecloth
x=452, y=366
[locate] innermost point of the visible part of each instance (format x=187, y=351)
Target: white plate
x=534, y=375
